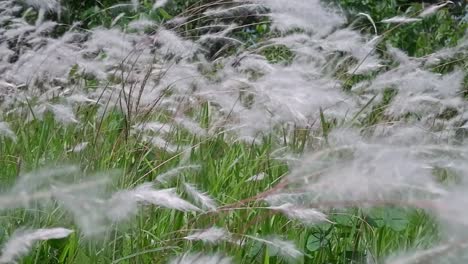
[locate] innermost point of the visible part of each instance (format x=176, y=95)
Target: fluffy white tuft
x=307, y=216
x=211, y=235
x=21, y=242
x=6, y=131
x=159, y=3
x=191, y=258
x=400, y=20
x=205, y=201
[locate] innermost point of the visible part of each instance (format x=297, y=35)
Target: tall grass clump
x=236, y=131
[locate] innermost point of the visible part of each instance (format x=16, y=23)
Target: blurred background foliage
x=443, y=29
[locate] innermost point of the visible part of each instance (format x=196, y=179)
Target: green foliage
x=225, y=169
x=276, y=54
x=88, y=12
x=432, y=33
x=93, y=13
x=353, y=234
x=443, y=29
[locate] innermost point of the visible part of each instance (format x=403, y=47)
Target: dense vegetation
x=137, y=176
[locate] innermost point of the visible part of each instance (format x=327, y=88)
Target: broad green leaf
x=394, y=218
x=164, y=14
x=316, y=242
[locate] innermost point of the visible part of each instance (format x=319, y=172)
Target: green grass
x=156, y=235
x=418, y=39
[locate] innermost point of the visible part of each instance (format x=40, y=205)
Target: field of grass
x=84, y=171
x=352, y=235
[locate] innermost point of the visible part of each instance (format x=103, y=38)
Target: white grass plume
x=6, y=131
x=80, y=195
x=155, y=127
x=205, y=201
x=423, y=256
x=311, y=15
x=433, y=9
x=308, y=216
x=135, y=5
x=48, y=5
x=141, y=24
x=172, y=43
x=63, y=113
x=146, y=194
x=395, y=163
x=79, y=99
x=198, y=258
x=257, y=177
x=21, y=242
x=95, y=210
x=400, y=20
x=191, y=126
x=166, y=176
x=28, y=183
x=356, y=170
x=231, y=11
x=78, y=147
x=211, y=235
x=161, y=143
x=285, y=248
x=159, y=3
